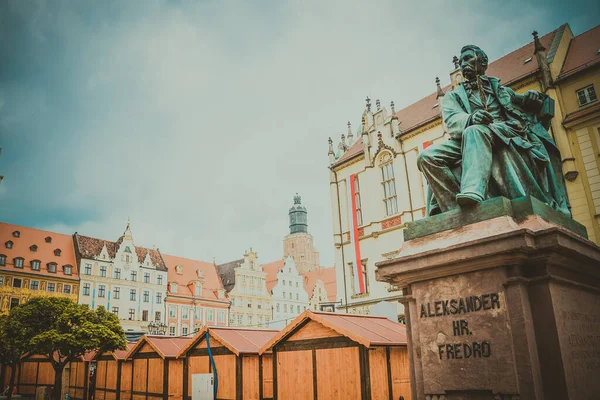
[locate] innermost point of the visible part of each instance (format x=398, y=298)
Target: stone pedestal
x=502, y=303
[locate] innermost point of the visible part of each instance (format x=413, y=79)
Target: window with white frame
x=51, y=287
x=132, y=294
x=184, y=331
x=172, y=331
x=172, y=313
x=86, y=289
x=88, y=269
x=103, y=271
x=586, y=95
x=184, y=313
x=117, y=292
x=2, y=260
x=221, y=316
x=52, y=268
x=117, y=273
x=67, y=289
x=35, y=265
x=159, y=279
x=209, y=315
x=115, y=310
x=101, y=291
x=33, y=285
x=388, y=181
x=132, y=314
x=158, y=298
x=18, y=262
x=146, y=277
x=359, y=218
x=146, y=296
x=240, y=319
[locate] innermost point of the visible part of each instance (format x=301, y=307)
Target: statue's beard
x=469, y=73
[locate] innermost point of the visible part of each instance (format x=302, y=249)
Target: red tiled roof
x=91, y=247
x=165, y=346
x=583, y=53
x=327, y=275
x=45, y=251
x=364, y=329
x=211, y=284
x=238, y=340
x=354, y=150
x=272, y=269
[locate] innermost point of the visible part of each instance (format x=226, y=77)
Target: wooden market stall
x=33, y=371
x=113, y=375
x=241, y=372
x=156, y=372
x=340, y=356
x=79, y=374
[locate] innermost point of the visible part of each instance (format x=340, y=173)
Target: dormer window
x=179, y=270
x=57, y=252
x=18, y=262
x=2, y=260
x=48, y=239
x=199, y=273
x=67, y=270
x=35, y=265
x=9, y=244
x=198, y=288
x=33, y=248
x=52, y=268
x=173, y=288
x=127, y=249
x=17, y=234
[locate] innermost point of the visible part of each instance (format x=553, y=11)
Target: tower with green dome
x=298, y=216
x=299, y=243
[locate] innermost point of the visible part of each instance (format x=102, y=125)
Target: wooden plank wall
x=267, y=376
x=400, y=372
x=34, y=371
x=338, y=373
x=78, y=378
x=125, y=392
x=225, y=365
x=176, y=379
x=250, y=378
x=295, y=375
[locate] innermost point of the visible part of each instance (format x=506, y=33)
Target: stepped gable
x=272, y=269
x=327, y=275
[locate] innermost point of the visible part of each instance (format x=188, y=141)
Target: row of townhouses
x=156, y=292
x=376, y=187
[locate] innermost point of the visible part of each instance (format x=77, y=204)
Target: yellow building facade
x=35, y=263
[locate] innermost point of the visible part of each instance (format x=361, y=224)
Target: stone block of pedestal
x=502, y=302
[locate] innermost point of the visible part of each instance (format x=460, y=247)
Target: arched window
x=388, y=181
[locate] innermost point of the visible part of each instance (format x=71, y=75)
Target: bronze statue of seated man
x=498, y=146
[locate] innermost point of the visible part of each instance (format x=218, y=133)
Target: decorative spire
x=350, y=135
x=538, y=45
x=330, y=145
x=368, y=100
x=344, y=146
x=378, y=104
x=393, y=107
x=440, y=92
x=455, y=61
x=127, y=234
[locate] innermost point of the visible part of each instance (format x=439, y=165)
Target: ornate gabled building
x=286, y=286
x=299, y=243
x=128, y=280
x=375, y=184
x=35, y=263
x=320, y=285
x=245, y=283
x=195, y=297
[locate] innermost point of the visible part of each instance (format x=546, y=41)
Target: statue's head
x=473, y=61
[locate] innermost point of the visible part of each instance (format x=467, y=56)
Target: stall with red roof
x=113, y=375
x=156, y=372
x=340, y=356
x=34, y=370
x=241, y=372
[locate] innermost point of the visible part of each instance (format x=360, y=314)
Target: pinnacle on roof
x=330, y=145
x=440, y=92
x=127, y=233
x=393, y=107
x=538, y=44
x=368, y=100
x=378, y=104
x=350, y=135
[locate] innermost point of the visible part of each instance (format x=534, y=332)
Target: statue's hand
x=482, y=117
x=532, y=100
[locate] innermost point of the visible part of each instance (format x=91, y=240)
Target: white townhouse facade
x=128, y=280
x=288, y=296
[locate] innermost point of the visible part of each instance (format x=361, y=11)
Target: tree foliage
x=64, y=331
x=13, y=345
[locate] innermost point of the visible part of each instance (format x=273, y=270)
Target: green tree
x=13, y=345
x=64, y=331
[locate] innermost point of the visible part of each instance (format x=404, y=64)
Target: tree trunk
x=11, y=385
x=56, y=391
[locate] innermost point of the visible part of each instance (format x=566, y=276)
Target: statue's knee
x=471, y=131
x=424, y=158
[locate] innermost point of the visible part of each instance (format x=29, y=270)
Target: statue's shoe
x=468, y=199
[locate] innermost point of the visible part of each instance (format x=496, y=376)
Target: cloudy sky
x=200, y=120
